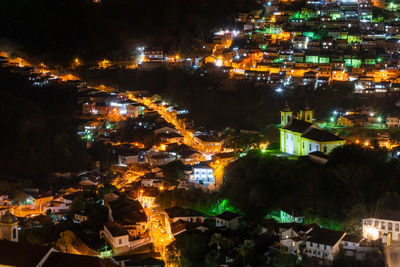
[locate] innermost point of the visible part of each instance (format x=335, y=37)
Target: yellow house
x=300, y=137
x=346, y=122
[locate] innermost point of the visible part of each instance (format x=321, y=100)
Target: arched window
x=14, y=233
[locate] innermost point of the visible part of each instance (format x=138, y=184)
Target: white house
x=202, y=174
x=292, y=235
x=293, y=244
x=176, y=213
x=228, y=219
x=115, y=235
x=351, y=244
x=323, y=243
x=60, y=204
x=387, y=222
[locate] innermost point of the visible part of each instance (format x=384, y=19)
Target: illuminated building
x=393, y=122
x=227, y=219
x=208, y=144
x=323, y=243
x=189, y=215
x=300, y=136
x=203, y=174
x=387, y=222
x=9, y=227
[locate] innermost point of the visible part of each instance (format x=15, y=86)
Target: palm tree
x=216, y=238
x=245, y=248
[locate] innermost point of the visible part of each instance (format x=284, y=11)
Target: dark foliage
x=39, y=130
x=58, y=31
x=352, y=185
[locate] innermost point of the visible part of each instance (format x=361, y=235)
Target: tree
x=283, y=259
x=245, y=248
x=173, y=172
x=216, y=239
x=65, y=241
x=173, y=254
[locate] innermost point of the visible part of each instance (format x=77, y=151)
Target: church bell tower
x=9, y=227
x=286, y=116
x=306, y=114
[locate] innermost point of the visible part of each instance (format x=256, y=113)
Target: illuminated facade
x=300, y=136
x=374, y=228
x=9, y=227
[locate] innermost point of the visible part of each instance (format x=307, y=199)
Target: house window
x=396, y=227
x=14, y=233
x=376, y=223
x=390, y=226
x=325, y=149
x=293, y=244
x=120, y=241
x=303, y=145
x=317, y=245
x=324, y=246
x=310, y=147
x=311, y=244
x=383, y=226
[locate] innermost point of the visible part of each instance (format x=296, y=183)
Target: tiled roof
x=127, y=211
x=352, y=238
x=116, y=230
x=298, y=126
x=227, y=216
x=182, y=212
x=321, y=135
x=325, y=236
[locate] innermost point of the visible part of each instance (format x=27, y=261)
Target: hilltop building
x=300, y=136
x=9, y=227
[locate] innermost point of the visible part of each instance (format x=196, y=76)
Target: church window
x=14, y=233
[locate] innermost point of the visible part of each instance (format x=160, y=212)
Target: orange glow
x=68, y=77
x=104, y=64
x=161, y=188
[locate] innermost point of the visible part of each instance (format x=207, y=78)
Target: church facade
x=299, y=136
